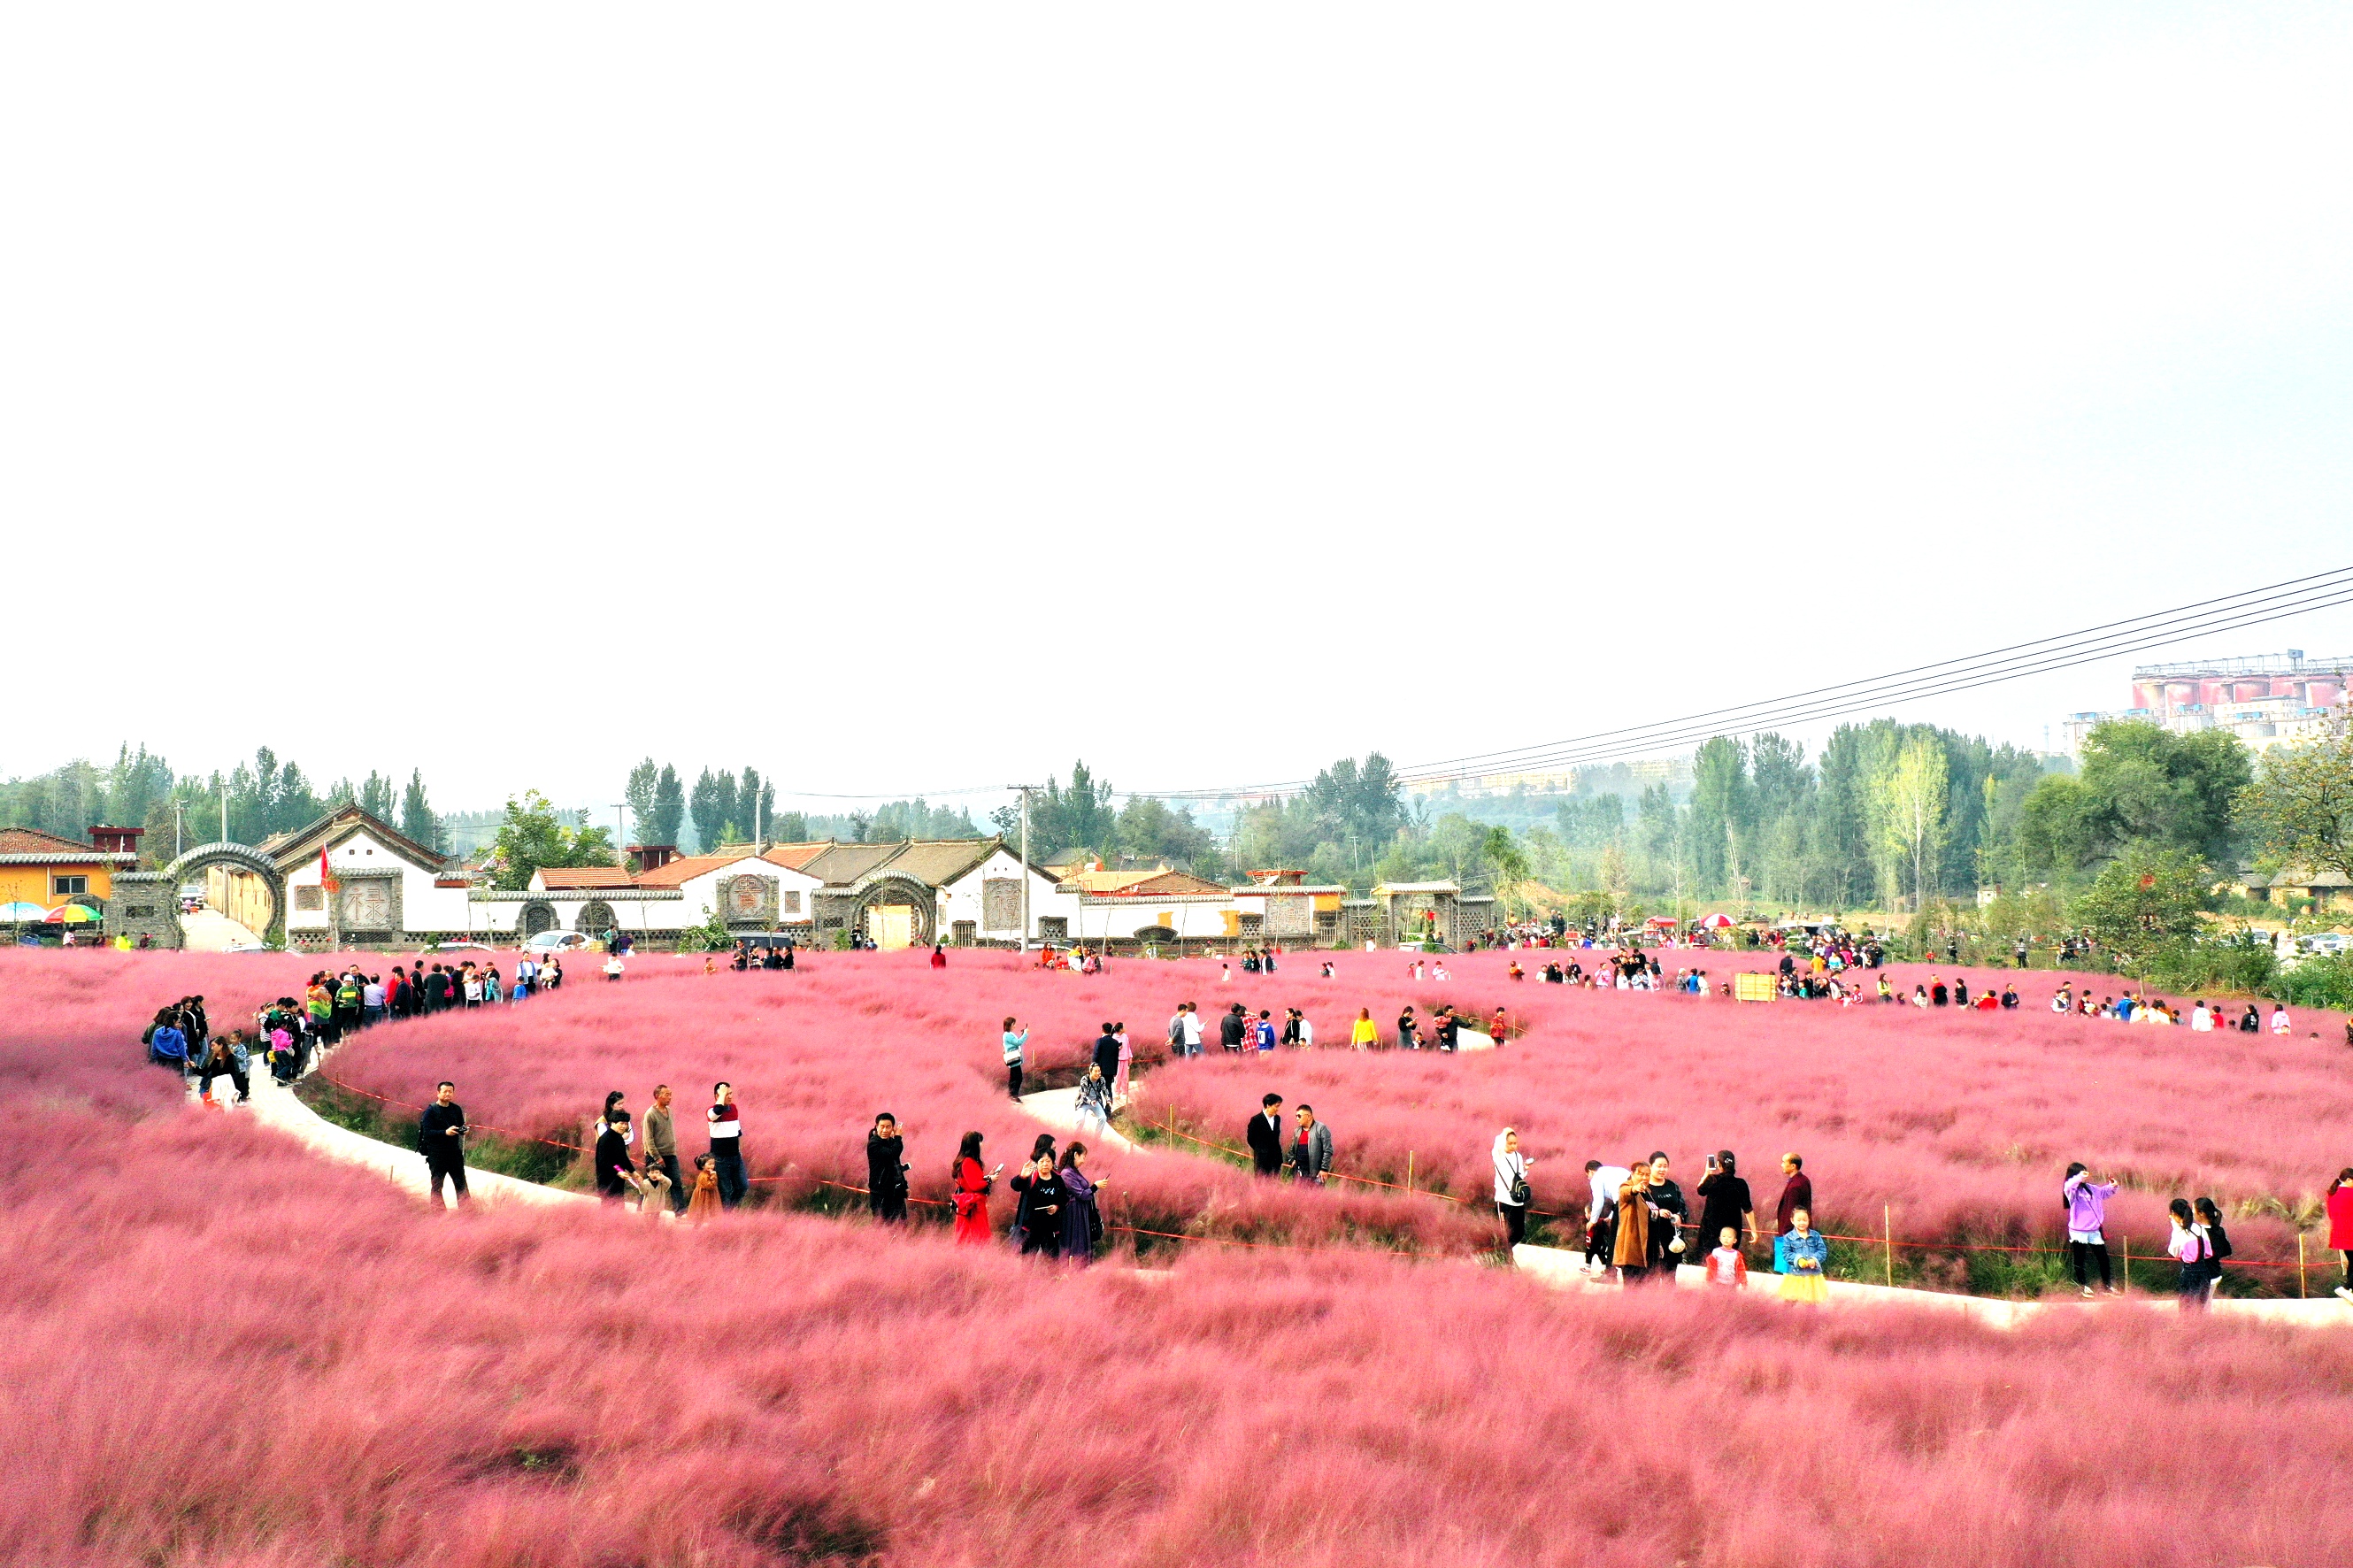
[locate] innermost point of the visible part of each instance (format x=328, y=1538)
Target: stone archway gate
x=147, y=903
x=881, y=886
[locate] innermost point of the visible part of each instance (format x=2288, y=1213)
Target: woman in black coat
x=1038, y=1206
x=613, y=1166
x=1724, y=1201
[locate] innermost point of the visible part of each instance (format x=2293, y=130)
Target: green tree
x=2138, y=785
x=1720, y=812
x=1909, y=796
x=1078, y=817
x=532, y=835
x=376, y=797
x=668, y=808
x=2147, y=898
x=417, y=818
x=708, y=803
x=645, y=779
x=1501, y=851
x=2299, y=806
x=1148, y=827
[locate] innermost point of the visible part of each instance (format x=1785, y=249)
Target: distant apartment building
x=2265, y=700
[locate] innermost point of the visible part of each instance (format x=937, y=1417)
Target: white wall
x=423, y=906
x=961, y=900
x=702, y=892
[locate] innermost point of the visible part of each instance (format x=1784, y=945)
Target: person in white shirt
x=1192, y=1030
x=2200, y=1019
x=1605, y=1181
x=2280, y=1025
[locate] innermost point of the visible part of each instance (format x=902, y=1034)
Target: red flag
x=326, y=878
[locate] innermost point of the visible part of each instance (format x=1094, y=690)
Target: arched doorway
x=151, y=906
x=895, y=912
x=597, y=918
x=538, y=916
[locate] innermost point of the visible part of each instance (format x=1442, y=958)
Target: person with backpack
x=2188, y=1247
x=2086, y=1203
x=2218, y=1242
x=1511, y=1194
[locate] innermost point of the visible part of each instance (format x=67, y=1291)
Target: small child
x=1725, y=1266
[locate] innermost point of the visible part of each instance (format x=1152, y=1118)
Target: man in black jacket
x=1107, y=1054
x=1265, y=1136
x=441, y=1138
x=1230, y=1029
x=886, y=1171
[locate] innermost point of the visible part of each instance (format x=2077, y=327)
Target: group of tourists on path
x=1636, y=1215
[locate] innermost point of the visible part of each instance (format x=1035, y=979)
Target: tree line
x=264, y=796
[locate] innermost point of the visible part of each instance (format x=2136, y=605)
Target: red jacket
x=2340, y=1219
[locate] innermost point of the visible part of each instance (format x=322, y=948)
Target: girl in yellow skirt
x=1799, y=1258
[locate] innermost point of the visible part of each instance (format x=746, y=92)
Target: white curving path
x=278, y=1108
x=1564, y=1270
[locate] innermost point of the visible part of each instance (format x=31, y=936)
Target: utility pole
x=1025, y=789
x=179, y=832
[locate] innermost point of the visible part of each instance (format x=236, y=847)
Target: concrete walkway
x=1566, y=1272
x=277, y=1107
x=1059, y=1108
x=209, y=931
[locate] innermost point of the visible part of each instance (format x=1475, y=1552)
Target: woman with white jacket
x=1512, y=1186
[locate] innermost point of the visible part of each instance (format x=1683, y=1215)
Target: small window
x=963, y=933
x=793, y=901
x=310, y=900
x=66, y=887
x=1054, y=928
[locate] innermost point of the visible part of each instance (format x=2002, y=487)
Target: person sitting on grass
x=1800, y=1257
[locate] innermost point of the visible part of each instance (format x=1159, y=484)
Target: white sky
x=1066, y=381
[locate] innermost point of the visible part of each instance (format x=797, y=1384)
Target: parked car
x=558, y=941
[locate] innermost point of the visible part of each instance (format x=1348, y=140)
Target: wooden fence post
x=2299, y=1266
x=1887, y=1218
x=1408, y=1173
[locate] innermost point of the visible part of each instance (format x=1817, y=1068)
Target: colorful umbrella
x=13, y=914
x=1716, y=923
x=72, y=915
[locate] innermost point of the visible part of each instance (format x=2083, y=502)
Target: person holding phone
x=968, y=1188
x=1038, y=1217
x=727, y=1145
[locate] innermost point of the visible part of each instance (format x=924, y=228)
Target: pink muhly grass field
x=1960, y=1121
x=71, y=1018
x=814, y=1054
x=217, y=1350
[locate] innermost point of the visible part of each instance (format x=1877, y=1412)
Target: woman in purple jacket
x=2086, y=1203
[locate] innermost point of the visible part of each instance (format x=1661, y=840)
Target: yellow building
x=42, y=869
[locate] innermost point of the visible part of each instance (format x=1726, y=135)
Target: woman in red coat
x=968, y=1186
x=2341, y=1225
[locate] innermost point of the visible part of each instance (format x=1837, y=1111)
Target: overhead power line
x=2276, y=601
